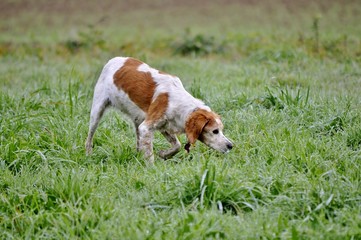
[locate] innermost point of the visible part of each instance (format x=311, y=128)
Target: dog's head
x=207, y=127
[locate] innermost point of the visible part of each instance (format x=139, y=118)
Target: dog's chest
x=172, y=126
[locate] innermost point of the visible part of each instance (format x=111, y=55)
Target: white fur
x=181, y=104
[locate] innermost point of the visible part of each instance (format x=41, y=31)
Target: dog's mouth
x=187, y=147
x=226, y=149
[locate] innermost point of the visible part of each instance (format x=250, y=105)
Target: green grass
x=287, y=89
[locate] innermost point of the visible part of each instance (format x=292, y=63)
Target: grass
x=286, y=84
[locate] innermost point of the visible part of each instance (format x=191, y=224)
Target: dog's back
x=153, y=100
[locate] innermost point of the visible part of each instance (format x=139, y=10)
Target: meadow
x=285, y=76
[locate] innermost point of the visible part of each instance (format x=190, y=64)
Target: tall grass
x=292, y=112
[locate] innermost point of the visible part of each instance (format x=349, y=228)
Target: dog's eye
x=216, y=131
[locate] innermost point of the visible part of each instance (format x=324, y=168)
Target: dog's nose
x=229, y=146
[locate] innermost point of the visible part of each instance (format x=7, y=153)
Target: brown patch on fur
x=158, y=107
x=196, y=122
x=138, y=85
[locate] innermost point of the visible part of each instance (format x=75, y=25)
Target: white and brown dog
x=154, y=100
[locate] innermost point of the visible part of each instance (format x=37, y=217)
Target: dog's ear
x=194, y=127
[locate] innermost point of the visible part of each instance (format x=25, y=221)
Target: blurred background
x=230, y=28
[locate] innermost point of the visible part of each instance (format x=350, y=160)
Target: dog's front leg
x=146, y=141
x=173, y=140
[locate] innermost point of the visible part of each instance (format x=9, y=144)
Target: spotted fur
x=154, y=100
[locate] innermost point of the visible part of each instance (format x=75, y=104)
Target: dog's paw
x=166, y=154
x=163, y=154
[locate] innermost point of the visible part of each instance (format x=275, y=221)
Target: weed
x=316, y=33
x=285, y=98
x=197, y=45
x=213, y=188
x=91, y=38
x=354, y=139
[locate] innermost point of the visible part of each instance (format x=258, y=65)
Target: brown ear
x=194, y=126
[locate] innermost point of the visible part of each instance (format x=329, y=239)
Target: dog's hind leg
x=100, y=103
x=173, y=140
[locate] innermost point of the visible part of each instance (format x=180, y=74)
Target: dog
x=154, y=100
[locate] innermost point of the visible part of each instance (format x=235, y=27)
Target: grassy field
x=284, y=76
